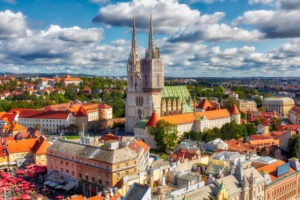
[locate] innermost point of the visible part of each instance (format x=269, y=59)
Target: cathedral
x=146, y=92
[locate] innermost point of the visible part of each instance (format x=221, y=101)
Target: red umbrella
x=59, y=197
x=20, y=185
x=17, y=189
x=28, y=191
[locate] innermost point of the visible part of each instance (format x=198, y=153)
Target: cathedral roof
x=153, y=119
x=234, y=110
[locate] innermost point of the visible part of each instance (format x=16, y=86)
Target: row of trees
x=229, y=131
x=166, y=134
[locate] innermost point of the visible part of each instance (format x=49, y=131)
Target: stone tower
x=145, y=82
x=152, y=75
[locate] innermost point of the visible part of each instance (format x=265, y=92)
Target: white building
x=47, y=121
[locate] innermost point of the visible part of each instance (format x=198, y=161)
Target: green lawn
x=161, y=155
x=72, y=137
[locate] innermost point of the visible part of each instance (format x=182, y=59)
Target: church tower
x=145, y=82
x=152, y=75
x=133, y=99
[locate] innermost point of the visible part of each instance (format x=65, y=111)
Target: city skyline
x=197, y=38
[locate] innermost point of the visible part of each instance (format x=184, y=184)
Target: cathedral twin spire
x=134, y=47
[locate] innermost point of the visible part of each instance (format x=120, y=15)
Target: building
x=281, y=181
x=280, y=104
x=96, y=167
x=146, y=92
x=46, y=121
x=198, y=121
x=246, y=105
x=68, y=80
x=294, y=115
x=27, y=151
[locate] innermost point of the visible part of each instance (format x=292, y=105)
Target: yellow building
x=3, y=157
x=280, y=104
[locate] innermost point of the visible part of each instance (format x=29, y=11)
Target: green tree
x=229, y=103
x=294, y=146
x=274, y=123
x=165, y=135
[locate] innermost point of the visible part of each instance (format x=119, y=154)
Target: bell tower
x=152, y=75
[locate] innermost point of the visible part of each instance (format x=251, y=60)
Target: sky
x=197, y=38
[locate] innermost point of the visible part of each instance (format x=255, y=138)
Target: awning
x=59, y=187
x=53, y=184
x=47, y=182
x=69, y=186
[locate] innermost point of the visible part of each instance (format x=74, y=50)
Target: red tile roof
x=234, y=110
x=153, y=119
x=41, y=145
x=41, y=114
x=3, y=152
x=190, y=117
x=271, y=169
x=204, y=104
x=8, y=117
x=19, y=146
x=110, y=137
x=104, y=106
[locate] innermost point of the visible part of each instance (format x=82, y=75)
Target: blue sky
x=197, y=37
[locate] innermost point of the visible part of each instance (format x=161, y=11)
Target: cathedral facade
x=146, y=92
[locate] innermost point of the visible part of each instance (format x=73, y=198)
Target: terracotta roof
x=18, y=146
x=81, y=112
x=8, y=117
x=204, y=104
x=293, y=127
x=104, y=106
x=14, y=126
x=41, y=114
x=137, y=144
x=153, y=119
x=41, y=145
x=110, y=137
x=236, y=145
x=102, y=197
x=76, y=197
x=234, y=110
x=272, y=168
x=190, y=117
x=72, y=79
x=3, y=152
x=90, y=106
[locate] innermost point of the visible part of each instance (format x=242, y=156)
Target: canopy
x=69, y=186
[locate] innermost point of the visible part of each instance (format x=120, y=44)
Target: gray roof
x=231, y=183
x=136, y=192
x=92, y=152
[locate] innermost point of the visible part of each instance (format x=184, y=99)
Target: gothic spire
x=134, y=41
x=151, y=35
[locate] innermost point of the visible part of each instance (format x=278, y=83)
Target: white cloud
x=177, y=19
x=11, y=24
x=283, y=22
x=261, y=1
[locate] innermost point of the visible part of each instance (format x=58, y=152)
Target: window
x=126, y=172
x=126, y=164
x=118, y=166
x=80, y=175
x=100, y=181
x=107, y=183
x=93, y=179
x=87, y=178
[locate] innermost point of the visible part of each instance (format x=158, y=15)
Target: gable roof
x=204, y=104
x=41, y=145
x=271, y=169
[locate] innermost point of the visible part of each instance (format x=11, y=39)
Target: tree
x=274, y=123
x=258, y=102
x=165, y=135
x=294, y=146
x=229, y=103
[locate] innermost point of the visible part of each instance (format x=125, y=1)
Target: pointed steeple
x=151, y=35
x=134, y=46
